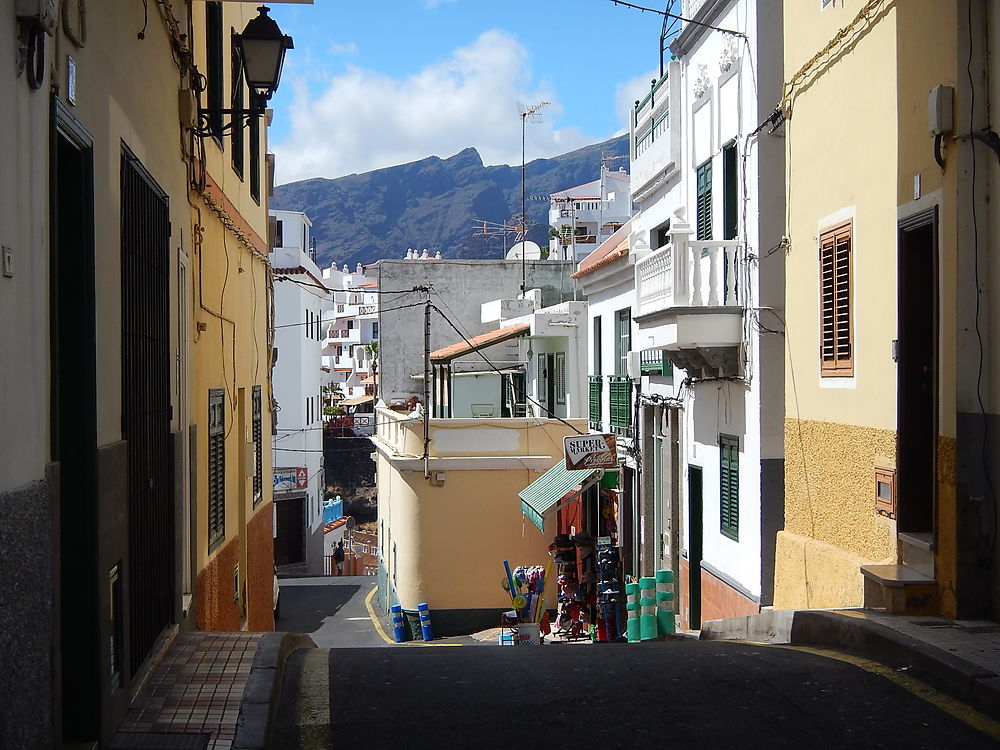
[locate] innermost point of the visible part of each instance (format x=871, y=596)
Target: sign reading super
x=590, y=452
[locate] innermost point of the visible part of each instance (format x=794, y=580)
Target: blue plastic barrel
x=425, y=622
x=398, y=628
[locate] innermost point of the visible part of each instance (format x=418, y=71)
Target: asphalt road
x=331, y=610
x=688, y=694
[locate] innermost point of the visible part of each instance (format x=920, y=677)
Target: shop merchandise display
x=609, y=593
x=525, y=623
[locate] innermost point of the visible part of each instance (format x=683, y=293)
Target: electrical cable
x=678, y=17
x=975, y=250
x=495, y=369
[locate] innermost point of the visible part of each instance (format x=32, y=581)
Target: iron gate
x=145, y=257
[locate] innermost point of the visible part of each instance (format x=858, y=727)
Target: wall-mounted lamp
x=261, y=48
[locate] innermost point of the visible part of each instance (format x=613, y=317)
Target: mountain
x=435, y=203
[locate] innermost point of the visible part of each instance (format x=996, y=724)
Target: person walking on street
x=338, y=557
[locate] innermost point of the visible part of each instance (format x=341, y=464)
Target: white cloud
x=344, y=49
x=365, y=120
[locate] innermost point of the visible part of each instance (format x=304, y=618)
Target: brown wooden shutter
x=836, y=346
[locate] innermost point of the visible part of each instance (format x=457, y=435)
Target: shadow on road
x=307, y=603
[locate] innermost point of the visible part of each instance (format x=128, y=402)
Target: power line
x=497, y=371
x=668, y=14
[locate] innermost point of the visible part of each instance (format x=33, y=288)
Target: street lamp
x=261, y=48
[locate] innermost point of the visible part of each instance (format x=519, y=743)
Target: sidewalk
x=962, y=653
x=195, y=691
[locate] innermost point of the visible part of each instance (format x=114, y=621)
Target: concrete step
x=900, y=590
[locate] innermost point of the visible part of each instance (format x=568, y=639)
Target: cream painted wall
x=841, y=157
x=231, y=285
x=445, y=542
x=24, y=336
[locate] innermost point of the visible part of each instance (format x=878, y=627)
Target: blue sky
x=373, y=83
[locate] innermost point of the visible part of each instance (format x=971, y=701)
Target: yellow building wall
x=841, y=164
x=445, y=545
x=228, y=329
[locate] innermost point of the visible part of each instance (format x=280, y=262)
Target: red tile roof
x=448, y=353
x=300, y=270
x=614, y=247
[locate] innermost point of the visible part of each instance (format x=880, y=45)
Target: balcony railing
x=689, y=273
x=596, y=420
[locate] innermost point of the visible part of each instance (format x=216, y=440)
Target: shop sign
x=590, y=452
x=290, y=478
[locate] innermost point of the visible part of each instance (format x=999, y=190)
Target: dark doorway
x=73, y=409
x=694, y=546
x=916, y=374
x=290, y=521
x=146, y=407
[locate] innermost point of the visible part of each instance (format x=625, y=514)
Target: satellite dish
x=527, y=250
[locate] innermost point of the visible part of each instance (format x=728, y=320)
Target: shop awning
x=357, y=400
x=553, y=489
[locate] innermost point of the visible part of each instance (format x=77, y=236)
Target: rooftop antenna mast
x=527, y=114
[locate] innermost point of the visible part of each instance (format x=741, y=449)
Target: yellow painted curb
x=375, y=620
x=955, y=708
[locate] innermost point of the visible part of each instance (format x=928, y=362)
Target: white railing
x=689, y=273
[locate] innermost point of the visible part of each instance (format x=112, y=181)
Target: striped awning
x=554, y=489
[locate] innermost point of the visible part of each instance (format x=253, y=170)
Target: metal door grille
x=216, y=467
x=146, y=407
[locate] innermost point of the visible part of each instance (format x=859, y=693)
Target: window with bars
x=729, y=486
x=560, y=374
x=216, y=467
x=620, y=398
x=596, y=383
x=703, y=207
x=623, y=340
x=258, y=448
x=236, y=134
x=836, y=336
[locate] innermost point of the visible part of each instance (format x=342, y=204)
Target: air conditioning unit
x=634, y=367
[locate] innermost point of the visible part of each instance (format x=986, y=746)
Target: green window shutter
x=620, y=392
x=596, y=391
x=703, y=205
x=729, y=486
x=216, y=467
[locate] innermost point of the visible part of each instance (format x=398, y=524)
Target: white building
x=350, y=346
x=586, y=215
x=708, y=181
x=299, y=299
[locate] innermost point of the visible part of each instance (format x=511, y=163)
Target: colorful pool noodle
x=510, y=581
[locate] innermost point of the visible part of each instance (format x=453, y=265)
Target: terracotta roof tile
x=448, y=353
x=614, y=247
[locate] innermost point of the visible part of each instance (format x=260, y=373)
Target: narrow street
x=681, y=694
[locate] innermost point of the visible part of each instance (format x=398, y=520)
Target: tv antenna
x=527, y=114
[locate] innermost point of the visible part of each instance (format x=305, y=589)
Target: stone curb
x=260, y=696
x=827, y=629
x=885, y=645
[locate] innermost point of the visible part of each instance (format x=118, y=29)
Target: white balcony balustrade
x=689, y=273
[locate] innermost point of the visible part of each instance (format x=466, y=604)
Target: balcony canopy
x=357, y=400
x=554, y=489
x=449, y=353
